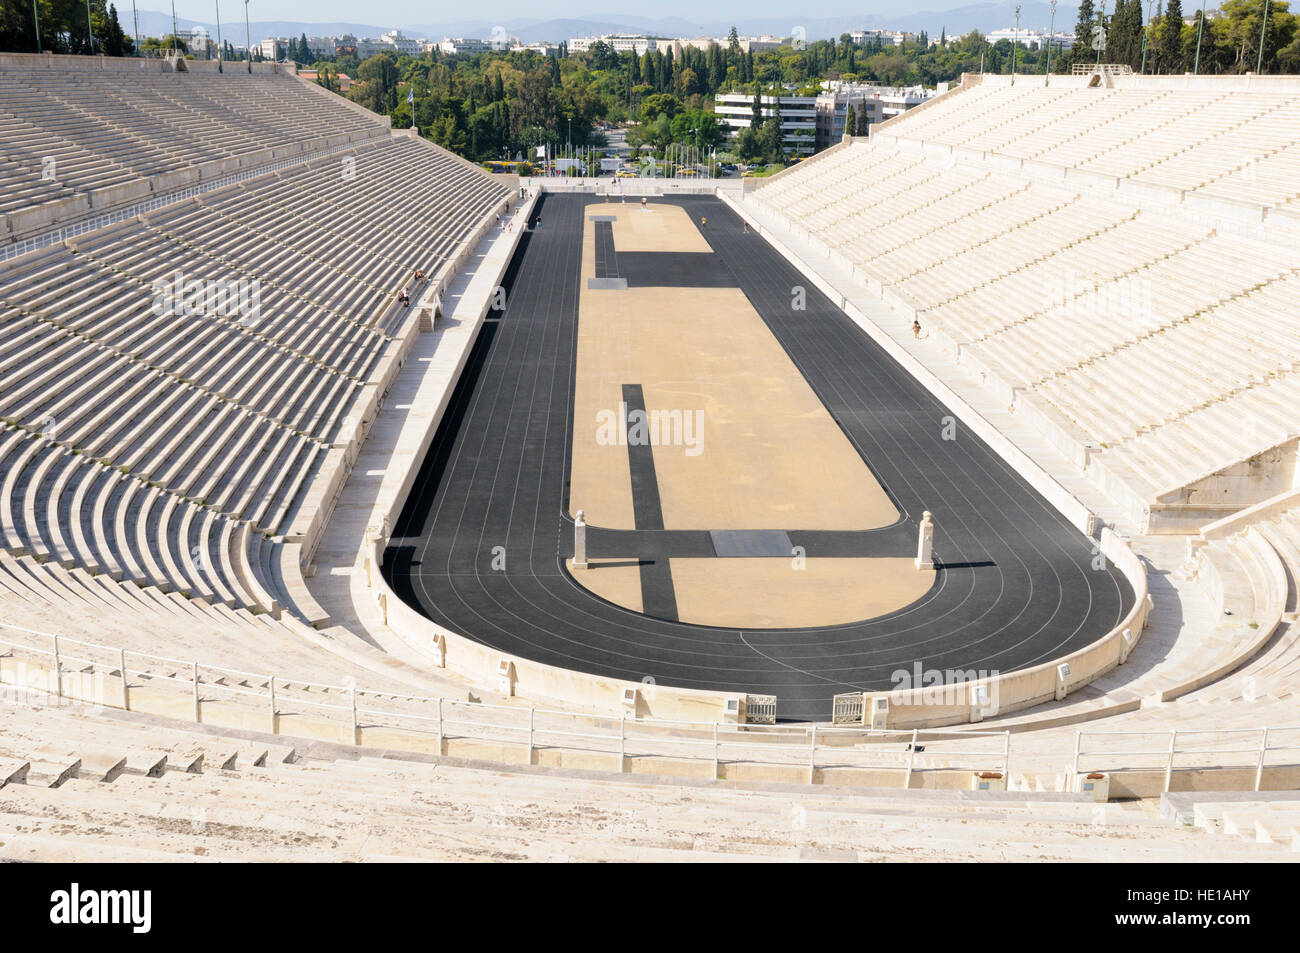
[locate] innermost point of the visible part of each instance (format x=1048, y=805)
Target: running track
x=1017, y=584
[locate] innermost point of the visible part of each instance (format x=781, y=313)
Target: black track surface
x=1017, y=584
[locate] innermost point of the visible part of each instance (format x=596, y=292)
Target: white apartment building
x=1033, y=39
x=619, y=42
x=748, y=44
x=756, y=44
x=877, y=103
x=461, y=44
x=321, y=46
x=274, y=48
x=396, y=41
x=199, y=42
x=545, y=49
x=886, y=37
x=735, y=111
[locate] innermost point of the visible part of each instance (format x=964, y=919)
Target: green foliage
x=697, y=127
x=1169, y=58
x=660, y=104
x=63, y=27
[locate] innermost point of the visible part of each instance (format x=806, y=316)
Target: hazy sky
x=383, y=12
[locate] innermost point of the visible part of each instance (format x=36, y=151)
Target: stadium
x=942, y=486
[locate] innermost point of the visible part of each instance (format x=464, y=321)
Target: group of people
x=404, y=296
x=508, y=223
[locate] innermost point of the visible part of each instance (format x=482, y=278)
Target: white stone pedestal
x=925, y=543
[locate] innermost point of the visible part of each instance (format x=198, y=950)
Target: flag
x=541, y=152
x=410, y=95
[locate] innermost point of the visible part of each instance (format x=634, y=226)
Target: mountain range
x=985, y=17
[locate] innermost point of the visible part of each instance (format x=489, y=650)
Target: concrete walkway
x=394, y=448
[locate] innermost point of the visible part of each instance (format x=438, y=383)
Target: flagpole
x=217, y=3
x=1101, y=23
x=248, y=43
x=1259, y=64
x=1051, y=39
x=37, y=17
x=1015, y=47
x=1200, y=28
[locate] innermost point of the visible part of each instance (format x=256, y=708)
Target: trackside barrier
x=971, y=701
x=607, y=189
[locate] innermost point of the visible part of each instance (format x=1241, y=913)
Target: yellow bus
x=508, y=166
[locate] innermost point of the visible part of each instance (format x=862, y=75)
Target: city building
x=399, y=43
x=461, y=44
x=735, y=111
x=199, y=42
x=545, y=49
x=885, y=37
x=1032, y=39
x=321, y=46
x=620, y=43
x=756, y=44
x=274, y=48
x=878, y=103
x=748, y=44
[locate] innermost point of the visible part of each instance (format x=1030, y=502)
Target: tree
x=699, y=128
x=115, y=41
x=660, y=104
x=1170, y=57
x=600, y=55
x=769, y=141
x=1205, y=58
x=890, y=69
x=1081, y=51
x=328, y=78
x=376, y=86
x=64, y=27
x=1124, y=39
x=1238, y=28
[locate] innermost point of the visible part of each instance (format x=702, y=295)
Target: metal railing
x=1176, y=742
x=808, y=748
x=1114, y=69
x=96, y=221
x=811, y=750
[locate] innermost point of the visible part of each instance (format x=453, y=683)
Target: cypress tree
x=1081, y=51
x=1171, y=58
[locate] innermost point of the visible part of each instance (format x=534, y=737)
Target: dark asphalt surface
x=1016, y=585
